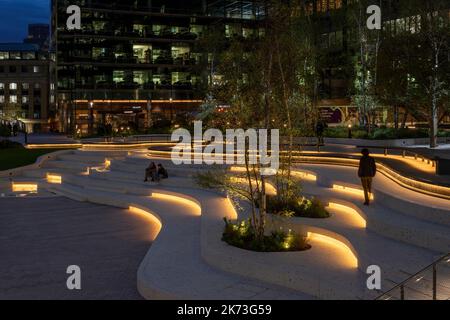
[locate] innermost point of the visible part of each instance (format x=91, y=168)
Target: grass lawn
x=18, y=157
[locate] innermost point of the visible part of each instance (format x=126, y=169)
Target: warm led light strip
x=147, y=215
x=54, y=179
x=350, y=259
x=139, y=101
x=54, y=146
x=355, y=216
x=351, y=190
x=304, y=175
x=270, y=188
x=179, y=199
x=24, y=187
x=121, y=146
x=421, y=187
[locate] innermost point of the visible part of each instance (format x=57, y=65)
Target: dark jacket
x=367, y=167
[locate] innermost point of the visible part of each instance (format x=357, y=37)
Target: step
x=392, y=224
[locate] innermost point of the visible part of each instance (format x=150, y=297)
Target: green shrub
x=241, y=235
x=297, y=207
x=5, y=131
x=444, y=134
x=402, y=133
x=6, y=144
x=342, y=132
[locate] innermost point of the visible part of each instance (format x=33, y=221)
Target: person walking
x=366, y=172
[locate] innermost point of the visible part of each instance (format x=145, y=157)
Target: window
x=2, y=99
x=13, y=99
x=25, y=99
x=37, y=85
x=12, y=69
x=36, y=69
x=14, y=55
x=28, y=55
x=2, y=86
x=13, y=86
x=25, y=86
x=4, y=55
x=24, y=69
x=2, y=69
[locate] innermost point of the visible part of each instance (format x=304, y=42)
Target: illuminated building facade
x=26, y=85
x=134, y=62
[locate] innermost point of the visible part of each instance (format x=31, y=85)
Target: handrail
x=401, y=285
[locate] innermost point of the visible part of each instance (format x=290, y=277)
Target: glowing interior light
x=419, y=279
x=351, y=190
x=107, y=163
x=24, y=187
x=53, y=178
x=179, y=199
x=353, y=215
x=343, y=252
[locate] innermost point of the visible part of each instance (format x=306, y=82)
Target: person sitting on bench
x=151, y=172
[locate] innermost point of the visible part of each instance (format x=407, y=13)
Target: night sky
x=15, y=15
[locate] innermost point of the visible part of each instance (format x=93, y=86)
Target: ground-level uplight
x=24, y=187
x=54, y=179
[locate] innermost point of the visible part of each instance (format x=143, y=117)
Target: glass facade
x=143, y=54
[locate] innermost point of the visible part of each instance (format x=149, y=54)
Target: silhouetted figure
x=320, y=128
x=162, y=172
x=367, y=170
x=151, y=172
x=15, y=129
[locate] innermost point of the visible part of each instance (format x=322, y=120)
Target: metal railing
x=430, y=283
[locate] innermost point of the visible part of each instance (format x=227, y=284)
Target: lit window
x=24, y=99
x=2, y=99
x=2, y=86
x=13, y=86
x=25, y=86
x=36, y=69
x=13, y=99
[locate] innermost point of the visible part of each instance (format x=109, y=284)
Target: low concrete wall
x=383, y=143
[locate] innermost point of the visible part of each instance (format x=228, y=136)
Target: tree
x=366, y=63
x=267, y=83
x=11, y=111
x=418, y=52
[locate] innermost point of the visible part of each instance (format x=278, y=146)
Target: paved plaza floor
x=41, y=237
